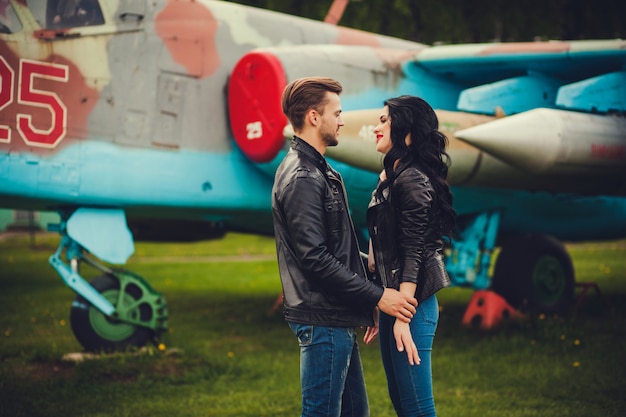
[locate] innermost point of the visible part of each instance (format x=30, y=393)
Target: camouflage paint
x=188, y=31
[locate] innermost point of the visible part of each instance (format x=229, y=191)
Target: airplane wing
x=583, y=75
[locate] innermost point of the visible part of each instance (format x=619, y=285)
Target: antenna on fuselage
x=335, y=11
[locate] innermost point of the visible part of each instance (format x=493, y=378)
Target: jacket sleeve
x=304, y=210
x=413, y=197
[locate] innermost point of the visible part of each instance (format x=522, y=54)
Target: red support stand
x=586, y=286
x=487, y=310
x=278, y=304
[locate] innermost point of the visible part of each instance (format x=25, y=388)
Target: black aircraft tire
x=96, y=332
x=536, y=273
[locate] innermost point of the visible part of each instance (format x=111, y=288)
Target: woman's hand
x=372, y=332
x=404, y=341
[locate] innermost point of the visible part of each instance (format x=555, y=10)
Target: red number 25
x=28, y=95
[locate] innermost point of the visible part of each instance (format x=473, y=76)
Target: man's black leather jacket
x=405, y=234
x=322, y=274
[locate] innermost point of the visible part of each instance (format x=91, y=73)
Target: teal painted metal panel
x=604, y=93
x=514, y=95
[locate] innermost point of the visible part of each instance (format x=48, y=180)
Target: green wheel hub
x=535, y=272
x=111, y=329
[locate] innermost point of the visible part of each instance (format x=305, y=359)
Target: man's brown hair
x=304, y=94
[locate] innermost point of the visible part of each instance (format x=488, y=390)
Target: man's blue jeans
x=331, y=374
x=411, y=387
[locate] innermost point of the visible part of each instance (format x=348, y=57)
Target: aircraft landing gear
x=117, y=310
x=136, y=306
x=534, y=272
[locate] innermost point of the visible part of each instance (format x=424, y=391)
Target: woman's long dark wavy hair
x=412, y=115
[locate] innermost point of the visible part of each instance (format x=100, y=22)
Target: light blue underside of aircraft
x=145, y=181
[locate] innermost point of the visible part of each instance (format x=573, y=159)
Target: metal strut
x=469, y=260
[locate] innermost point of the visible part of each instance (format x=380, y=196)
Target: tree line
x=465, y=21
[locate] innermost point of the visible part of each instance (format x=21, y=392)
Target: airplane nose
x=254, y=103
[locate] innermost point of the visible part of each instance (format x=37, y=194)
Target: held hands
x=404, y=341
x=399, y=305
x=402, y=335
x=396, y=304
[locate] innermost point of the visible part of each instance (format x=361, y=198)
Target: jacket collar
x=402, y=166
x=309, y=152
x=398, y=170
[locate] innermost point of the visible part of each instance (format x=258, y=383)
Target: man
x=326, y=293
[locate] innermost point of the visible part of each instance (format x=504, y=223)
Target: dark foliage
x=461, y=21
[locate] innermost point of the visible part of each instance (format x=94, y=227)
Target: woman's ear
x=407, y=139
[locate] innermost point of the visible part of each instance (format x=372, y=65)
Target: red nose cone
x=254, y=103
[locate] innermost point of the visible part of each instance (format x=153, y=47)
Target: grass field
x=227, y=354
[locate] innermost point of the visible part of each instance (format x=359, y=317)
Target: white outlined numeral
x=6, y=95
x=28, y=95
x=255, y=130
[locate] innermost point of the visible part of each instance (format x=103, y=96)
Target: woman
x=408, y=217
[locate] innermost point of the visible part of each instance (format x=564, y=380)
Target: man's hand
x=398, y=305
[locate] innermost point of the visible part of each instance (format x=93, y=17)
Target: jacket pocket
x=428, y=309
x=304, y=333
x=393, y=278
x=335, y=213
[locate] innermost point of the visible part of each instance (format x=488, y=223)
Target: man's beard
x=330, y=139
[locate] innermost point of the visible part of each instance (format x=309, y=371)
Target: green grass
x=227, y=354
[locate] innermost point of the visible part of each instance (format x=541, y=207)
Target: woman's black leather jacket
x=321, y=270
x=405, y=234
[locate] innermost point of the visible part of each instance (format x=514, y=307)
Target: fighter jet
x=138, y=119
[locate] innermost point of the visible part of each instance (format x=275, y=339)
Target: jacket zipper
x=380, y=263
x=345, y=203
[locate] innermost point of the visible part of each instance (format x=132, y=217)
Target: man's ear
x=313, y=117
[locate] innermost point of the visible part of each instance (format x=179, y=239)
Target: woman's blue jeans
x=411, y=387
x=331, y=374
